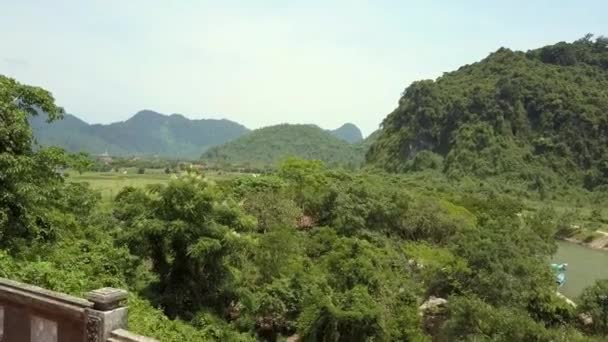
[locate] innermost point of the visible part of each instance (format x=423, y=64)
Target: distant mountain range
x=150, y=133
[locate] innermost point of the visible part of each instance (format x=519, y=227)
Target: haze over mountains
x=149, y=133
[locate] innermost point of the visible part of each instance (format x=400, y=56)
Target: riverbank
x=585, y=266
x=599, y=240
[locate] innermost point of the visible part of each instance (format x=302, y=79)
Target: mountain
x=366, y=143
x=348, y=132
x=70, y=133
x=146, y=133
x=539, y=116
x=267, y=146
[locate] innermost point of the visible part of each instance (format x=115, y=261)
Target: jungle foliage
x=316, y=251
x=536, y=116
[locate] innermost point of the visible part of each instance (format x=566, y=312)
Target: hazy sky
x=265, y=62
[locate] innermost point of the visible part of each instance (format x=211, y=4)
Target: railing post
x=107, y=313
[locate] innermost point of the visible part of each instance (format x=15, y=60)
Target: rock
x=586, y=318
x=432, y=303
x=305, y=222
x=415, y=264
x=293, y=338
x=434, y=314
x=233, y=311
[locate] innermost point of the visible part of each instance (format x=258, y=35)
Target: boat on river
x=560, y=273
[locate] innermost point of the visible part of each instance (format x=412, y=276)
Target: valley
x=440, y=226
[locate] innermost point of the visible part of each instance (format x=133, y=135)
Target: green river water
x=585, y=266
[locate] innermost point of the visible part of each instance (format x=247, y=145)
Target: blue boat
x=560, y=273
x=560, y=279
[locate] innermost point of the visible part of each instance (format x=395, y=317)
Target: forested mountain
x=540, y=115
x=369, y=140
x=348, y=132
x=310, y=253
x=152, y=133
x=146, y=133
x=267, y=146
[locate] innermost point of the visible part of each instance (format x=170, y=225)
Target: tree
x=81, y=162
x=594, y=302
x=28, y=181
x=267, y=199
x=187, y=233
x=474, y=320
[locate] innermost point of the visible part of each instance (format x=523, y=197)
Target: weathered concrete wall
x=33, y=314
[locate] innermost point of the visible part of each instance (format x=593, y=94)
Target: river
x=585, y=266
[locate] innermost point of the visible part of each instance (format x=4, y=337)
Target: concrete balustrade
x=33, y=314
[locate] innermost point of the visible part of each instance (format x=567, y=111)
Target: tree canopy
x=450, y=250
x=266, y=147
x=534, y=115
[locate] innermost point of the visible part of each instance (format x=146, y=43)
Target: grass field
x=110, y=183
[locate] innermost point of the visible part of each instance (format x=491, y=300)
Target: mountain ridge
x=148, y=132
x=145, y=133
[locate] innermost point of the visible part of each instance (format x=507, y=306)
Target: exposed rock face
x=433, y=312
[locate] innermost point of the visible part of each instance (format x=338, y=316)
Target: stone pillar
x=107, y=313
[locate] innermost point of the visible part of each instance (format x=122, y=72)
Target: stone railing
x=33, y=314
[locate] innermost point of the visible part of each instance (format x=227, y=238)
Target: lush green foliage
x=265, y=147
x=594, y=302
x=380, y=245
x=146, y=133
x=538, y=116
x=28, y=183
x=328, y=254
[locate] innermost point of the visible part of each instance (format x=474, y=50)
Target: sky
x=265, y=62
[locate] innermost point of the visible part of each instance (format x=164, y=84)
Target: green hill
x=267, y=146
x=348, y=132
x=146, y=133
x=539, y=116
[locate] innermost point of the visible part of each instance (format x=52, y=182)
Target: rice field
x=111, y=183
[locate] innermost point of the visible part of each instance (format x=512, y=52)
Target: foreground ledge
x=33, y=314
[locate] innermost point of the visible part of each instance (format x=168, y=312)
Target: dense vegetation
x=318, y=252
x=538, y=116
x=149, y=134
x=269, y=145
x=146, y=133
x=349, y=133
